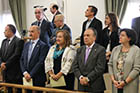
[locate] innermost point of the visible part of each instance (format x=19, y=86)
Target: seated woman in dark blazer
x=124, y=64
x=110, y=35
x=60, y=58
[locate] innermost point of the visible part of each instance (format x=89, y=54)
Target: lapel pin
x=37, y=46
x=95, y=50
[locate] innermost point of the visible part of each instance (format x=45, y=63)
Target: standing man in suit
x=46, y=27
x=136, y=27
x=33, y=56
x=10, y=54
x=54, y=10
x=89, y=64
x=93, y=22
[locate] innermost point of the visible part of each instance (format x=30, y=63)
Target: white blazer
x=67, y=59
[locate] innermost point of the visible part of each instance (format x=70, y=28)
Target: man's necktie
x=30, y=50
x=6, y=46
x=87, y=54
x=38, y=23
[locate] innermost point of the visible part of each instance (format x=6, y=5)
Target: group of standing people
x=50, y=51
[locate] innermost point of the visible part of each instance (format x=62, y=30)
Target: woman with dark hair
x=60, y=58
x=110, y=35
x=124, y=64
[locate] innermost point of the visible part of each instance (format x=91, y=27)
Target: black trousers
x=19, y=81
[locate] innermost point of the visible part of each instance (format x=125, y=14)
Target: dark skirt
x=120, y=90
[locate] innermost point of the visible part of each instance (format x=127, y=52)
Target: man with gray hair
x=60, y=25
x=33, y=56
x=89, y=64
x=46, y=27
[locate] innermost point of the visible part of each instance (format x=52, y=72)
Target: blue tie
x=30, y=50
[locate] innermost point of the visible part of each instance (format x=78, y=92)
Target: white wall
x=74, y=11
x=30, y=10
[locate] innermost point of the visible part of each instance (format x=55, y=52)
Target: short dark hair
x=94, y=9
x=130, y=34
x=55, y=6
x=12, y=28
x=94, y=31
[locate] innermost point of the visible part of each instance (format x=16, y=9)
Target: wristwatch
x=125, y=82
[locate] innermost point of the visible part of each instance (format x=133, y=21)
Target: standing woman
x=124, y=64
x=60, y=58
x=110, y=35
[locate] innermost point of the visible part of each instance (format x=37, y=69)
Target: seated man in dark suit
x=33, y=56
x=89, y=64
x=10, y=54
x=46, y=27
x=60, y=25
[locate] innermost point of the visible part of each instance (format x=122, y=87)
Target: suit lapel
x=83, y=56
x=27, y=49
x=3, y=49
x=42, y=23
x=10, y=46
x=36, y=23
x=85, y=25
x=115, y=56
x=26, y=52
x=92, y=24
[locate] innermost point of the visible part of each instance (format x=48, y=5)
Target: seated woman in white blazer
x=60, y=58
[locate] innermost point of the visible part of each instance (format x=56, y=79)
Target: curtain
x=18, y=9
x=116, y=6
x=5, y=18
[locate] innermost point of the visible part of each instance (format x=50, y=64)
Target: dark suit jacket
x=54, y=18
x=113, y=38
x=97, y=24
x=136, y=27
x=53, y=38
x=46, y=30
x=94, y=67
x=12, y=74
x=36, y=64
